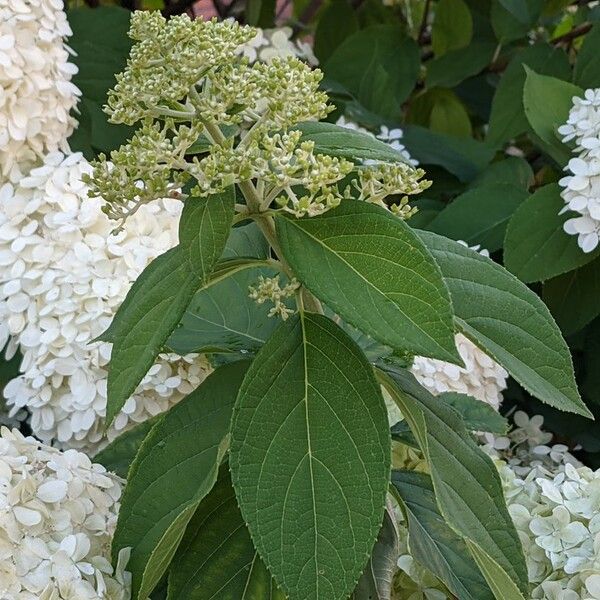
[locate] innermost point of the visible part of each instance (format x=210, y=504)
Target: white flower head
x=581, y=185
x=36, y=93
x=63, y=276
x=481, y=377
x=58, y=513
x=270, y=43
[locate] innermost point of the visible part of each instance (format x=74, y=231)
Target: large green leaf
x=512, y=19
x=119, y=454
x=536, y=247
x=372, y=270
x=157, y=301
x=547, y=101
x=480, y=215
x=347, y=143
x=573, y=297
x=464, y=158
x=509, y=322
x=508, y=119
x=455, y=66
x=379, y=66
x=587, y=67
x=101, y=46
x=337, y=22
x=222, y=317
x=467, y=485
x=449, y=115
x=433, y=543
x=452, y=26
x=376, y=582
x=310, y=457
x=175, y=468
x=260, y=13
x=216, y=558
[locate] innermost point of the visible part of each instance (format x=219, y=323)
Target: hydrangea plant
x=282, y=456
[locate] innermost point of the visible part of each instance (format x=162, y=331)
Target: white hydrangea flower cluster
x=58, y=513
x=389, y=136
x=581, y=187
x=270, y=43
x=36, y=93
x=481, y=377
x=63, y=278
x=554, y=502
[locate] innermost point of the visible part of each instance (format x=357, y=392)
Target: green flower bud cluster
x=377, y=182
x=268, y=289
x=185, y=81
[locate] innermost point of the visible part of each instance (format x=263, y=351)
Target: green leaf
x=587, y=67
x=260, y=13
x=536, y=247
x=377, y=580
x=518, y=9
x=204, y=228
x=467, y=485
x=547, y=103
x=101, y=46
x=379, y=66
x=477, y=415
x=175, y=468
x=310, y=457
x=464, y=158
x=455, y=66
x=509, y=322
x=338, y=21
x=573, y=297
x=157, y=301
x=480, y=215
x=371, y=269
x=347, y=143
x=449, y=116
x=512, y=19
x=119, y=454
x=216, y=557
x=514, y=169
x=507, y=119
x=433, y=543
x=452, y=26
x=222, y=317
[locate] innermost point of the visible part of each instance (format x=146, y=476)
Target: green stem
x=265, y=222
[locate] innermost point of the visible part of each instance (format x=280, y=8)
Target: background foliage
x=478, y=87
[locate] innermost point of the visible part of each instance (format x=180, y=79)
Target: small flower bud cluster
x=581, y=187
x=156, y=149
x=190, y=75
x=169, y=58
x=58, y=514
x=269, y=289
x=378, y=181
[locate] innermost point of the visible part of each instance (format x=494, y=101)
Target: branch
x=423, y=28
x=573, y=34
